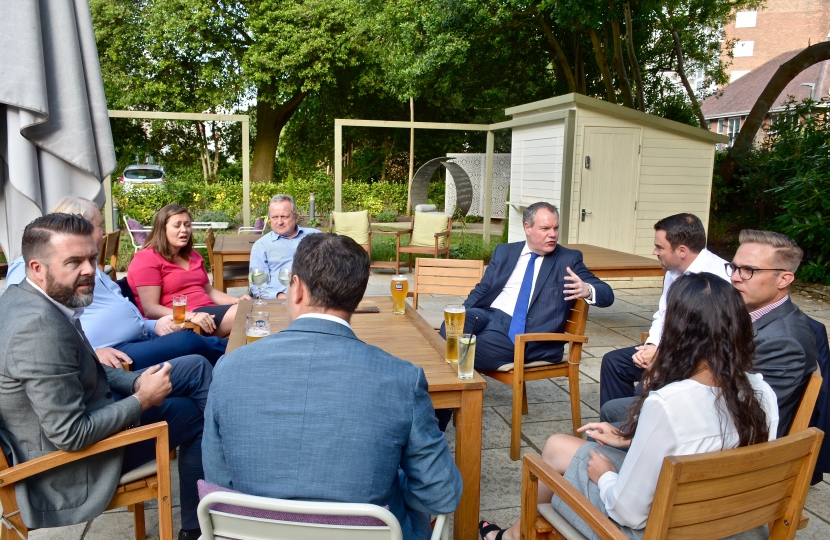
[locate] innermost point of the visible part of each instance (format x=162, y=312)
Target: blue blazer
x=547, y=311
x=313, y=413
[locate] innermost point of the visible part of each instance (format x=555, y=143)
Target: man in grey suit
x=55, y=395
x=313, y=413
x=785, y=347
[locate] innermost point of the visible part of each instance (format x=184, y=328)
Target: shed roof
x=738, y=98
x=617, y=110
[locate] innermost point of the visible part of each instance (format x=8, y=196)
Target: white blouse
x=680, y=419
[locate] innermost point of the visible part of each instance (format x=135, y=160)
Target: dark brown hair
x=707, y=322
x=38, y=234
x=334, y=268
x=683, y=230
x=157, y=239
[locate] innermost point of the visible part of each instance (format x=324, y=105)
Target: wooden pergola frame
x=151, y=115
x=488, y=169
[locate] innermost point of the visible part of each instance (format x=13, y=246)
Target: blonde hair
x=787, y=253
x=75, y=205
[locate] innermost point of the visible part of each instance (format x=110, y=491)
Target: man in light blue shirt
x=275, y=250
x=114, y=326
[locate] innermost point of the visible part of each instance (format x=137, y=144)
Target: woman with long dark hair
x=698, y=397
x=168, y=265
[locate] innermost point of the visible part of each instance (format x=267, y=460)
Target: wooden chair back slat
x=577, y=319
x=808, y=402
x=210, y=240
x=445, y=276
x=701, y=490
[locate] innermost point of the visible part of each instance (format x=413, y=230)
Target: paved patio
x=610, y=328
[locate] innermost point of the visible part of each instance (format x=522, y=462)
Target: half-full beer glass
x=257, y=326
x=179, y=308
x=466, y=355
x=454, y=316
x=399, y=287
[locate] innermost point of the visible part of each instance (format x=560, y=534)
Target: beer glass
x=258, y=277
x=257, y=326
x=466, y=355
x=399, y=287
x=454, y=316
x=179, y=309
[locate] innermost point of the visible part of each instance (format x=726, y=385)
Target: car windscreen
x=143, y=174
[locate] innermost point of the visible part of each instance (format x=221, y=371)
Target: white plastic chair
x=130, y=231
x=223, y=524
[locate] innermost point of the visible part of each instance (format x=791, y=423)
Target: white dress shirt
x=706, y=261
x=682, y=418
x=506, y=300
x=325, y=317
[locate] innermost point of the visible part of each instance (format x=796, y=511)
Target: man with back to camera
x=275, y=250
x=56, y=395
x=517, y=297
x=113, y=325
x=343, y=421
x=680, y=246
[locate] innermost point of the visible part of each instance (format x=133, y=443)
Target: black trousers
x=618, y=375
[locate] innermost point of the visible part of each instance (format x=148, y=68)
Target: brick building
x=780, y=26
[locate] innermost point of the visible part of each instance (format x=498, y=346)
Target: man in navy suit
x=313, y=413
x=515, y=298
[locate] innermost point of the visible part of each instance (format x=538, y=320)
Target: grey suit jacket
x=313, y=413
x=786, y=355
x=55, y=395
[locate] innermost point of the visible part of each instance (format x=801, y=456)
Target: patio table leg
x=468, y=460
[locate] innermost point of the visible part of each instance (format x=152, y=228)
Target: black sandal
x=485, y=528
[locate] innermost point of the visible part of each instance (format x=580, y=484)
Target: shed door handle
x=584, y=213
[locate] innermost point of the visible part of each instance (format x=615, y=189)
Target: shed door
x=609, y=185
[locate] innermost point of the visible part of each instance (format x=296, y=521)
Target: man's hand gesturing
x=153, y=386
x=576, y=288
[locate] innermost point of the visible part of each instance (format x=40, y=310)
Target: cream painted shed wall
x=675, y=166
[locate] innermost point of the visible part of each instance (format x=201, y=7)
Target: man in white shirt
x=680, y=246
x=515, y=297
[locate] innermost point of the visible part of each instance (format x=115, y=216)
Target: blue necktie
x=517, y=324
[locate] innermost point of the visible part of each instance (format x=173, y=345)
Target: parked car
x=142, y=176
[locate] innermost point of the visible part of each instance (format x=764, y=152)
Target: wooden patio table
x=608, y=263
x=230, y=249
x=411, y=338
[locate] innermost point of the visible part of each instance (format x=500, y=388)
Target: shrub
x=387, y=216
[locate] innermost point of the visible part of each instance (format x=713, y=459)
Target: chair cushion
x=259, y=225
x=355, y=225
x=562, y=527
x=426, y=208
x=143, y=471
x=137, y=229
x=426, y=225
x=205, y=488
x=508, y=367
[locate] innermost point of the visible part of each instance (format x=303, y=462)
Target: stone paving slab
x=612, y=328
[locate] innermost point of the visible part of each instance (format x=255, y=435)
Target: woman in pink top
x=168, y=265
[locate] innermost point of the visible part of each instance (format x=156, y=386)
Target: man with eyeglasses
x=785, y=348
x=275, y=250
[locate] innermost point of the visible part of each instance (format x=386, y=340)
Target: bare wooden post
x=487, y=193
x=338, y=166
x=246, y=175
x=411, y=154
x=108, y=221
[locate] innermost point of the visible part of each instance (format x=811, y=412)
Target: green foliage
x=784, y=185
x=462, y=246
x=387, y=216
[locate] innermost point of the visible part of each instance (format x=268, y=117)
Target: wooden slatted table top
x=407, y=336
x=235, y=243
x=604, y=262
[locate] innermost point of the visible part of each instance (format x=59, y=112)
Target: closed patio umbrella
x=55, y=137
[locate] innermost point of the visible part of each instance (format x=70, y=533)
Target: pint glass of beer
x=179, y=308
x=257, y=326
x=454, y=316
x=466, y=355
x=399, y=287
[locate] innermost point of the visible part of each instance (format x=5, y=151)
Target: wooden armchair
x=445, y=276
x=518, y=372
x=108, y=256
x=150, y=481
x=234, y=275
x=702, y=496
x=429, y=234
x=355, y=225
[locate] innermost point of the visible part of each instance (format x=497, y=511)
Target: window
x=719, y=146
x=733, y=127
x=737, y=74
x=743, y=48
x=745, y=19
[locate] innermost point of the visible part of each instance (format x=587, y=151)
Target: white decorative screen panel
x=475, y=165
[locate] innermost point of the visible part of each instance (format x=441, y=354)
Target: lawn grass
x=463, y=245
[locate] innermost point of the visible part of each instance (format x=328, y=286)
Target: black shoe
x=190, y=534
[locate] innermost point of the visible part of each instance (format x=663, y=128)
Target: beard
x=67, y=294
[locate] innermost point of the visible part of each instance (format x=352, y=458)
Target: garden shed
x=612, y=171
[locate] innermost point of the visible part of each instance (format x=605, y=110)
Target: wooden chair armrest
x=579, y=503
x=193, y=326
x=397, y=232
x=50, y=461
x=440, y=234
x=521, y=339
